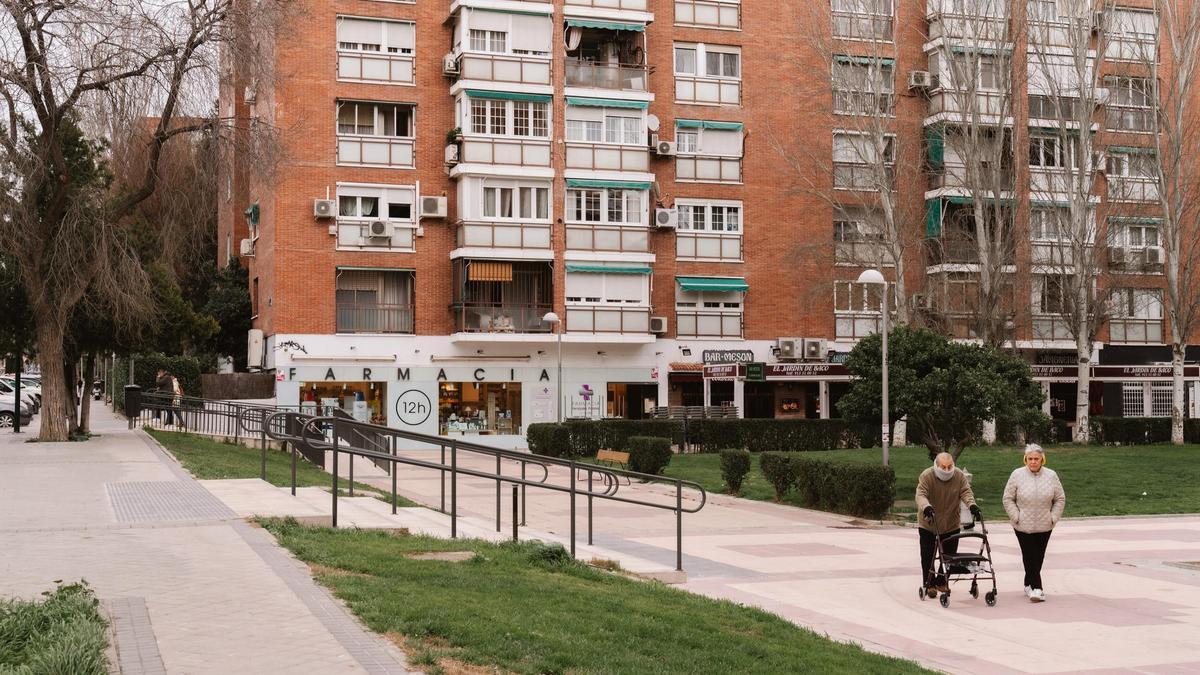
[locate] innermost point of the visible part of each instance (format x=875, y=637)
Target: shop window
x=479, y=408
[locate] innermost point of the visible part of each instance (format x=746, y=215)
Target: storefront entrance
x=365, y=401
x=479, y=408
x=632, y=401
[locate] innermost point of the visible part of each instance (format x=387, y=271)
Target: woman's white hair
x=1034, y=447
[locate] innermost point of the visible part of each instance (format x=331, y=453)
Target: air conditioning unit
x=658, y=325
x=1102, y=95
x=1098, y=20
x=250, y=95
x=922, y=301
x=814, y=349
x=1116, y=255
x=450, y=64
x=920, y=79
x=380, y=229
x=790, y=349
x=247, y=248
x=433, y=207
x=254, y=349
x=324, y=208
x=666, y=219
x=665, y=148
x=1154, y=255
x=452, y=154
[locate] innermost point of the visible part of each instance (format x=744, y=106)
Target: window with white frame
x=1051, y=294
x=863, y=86
x=1058, y=11
x=981, y=72
x=1049, y=225
x=858, y=308
x=700, y=216
x=862, y=161
x=687, y=141
x=1131, y=103
x=606, y=205
x=593, y=288
x=708, y=61
x=496, y=32
x=862, y=19
x=375, y=35
x=1133, y=233
x=498, y=117
x=1132, y=34
x=376, y=203
x=858, y=235
x=355, y=118
x=708, y=138
x=1053, y=151
x=516, y=202
x=1131, y=165
x=1137, y=303
x=604, y=125
x=490, y=41
x=709, y=314
x=715, y=300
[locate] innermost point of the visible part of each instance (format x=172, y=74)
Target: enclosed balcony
x=374, y=301
x=608, y=298
x=375, y=134
x=373, y=50
x=606, y=135
x=503, y=47
x=607, y=216
x=606, y=55
x=951, y=232
x=502, y=296
x=709, y=13
x=628, y=5
x=971, y=21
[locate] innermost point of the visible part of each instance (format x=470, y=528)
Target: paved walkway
x=190, y=587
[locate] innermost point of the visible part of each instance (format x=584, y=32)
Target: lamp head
x=550, y=317
x=871, y=276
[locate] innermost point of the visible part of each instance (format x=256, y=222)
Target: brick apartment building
x=671, y=177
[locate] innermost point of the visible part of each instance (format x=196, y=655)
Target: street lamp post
x=874, y=276
x=552, y=319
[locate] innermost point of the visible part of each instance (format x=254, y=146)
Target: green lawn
x=527, y=608
x=61, y=633
x=1099, y=481
x=206, y=459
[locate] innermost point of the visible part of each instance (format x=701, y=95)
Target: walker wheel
x=990, y=598
x=974, y=589
x=921, y=592
x=945, y=599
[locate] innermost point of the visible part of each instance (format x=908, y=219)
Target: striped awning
x=606, y=25
x=489, y=270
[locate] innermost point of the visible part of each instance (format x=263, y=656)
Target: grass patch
x=529, y=608
x=1099, y=481
x=62, y=633
x=208, y=459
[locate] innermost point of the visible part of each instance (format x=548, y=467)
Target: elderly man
x=940, y=490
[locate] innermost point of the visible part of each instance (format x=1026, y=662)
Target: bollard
x=514, y=510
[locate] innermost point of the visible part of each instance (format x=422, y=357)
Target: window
x=371, y=35
x=857, y=224
x=1137, y=234
x=708, y=138
x=711, y=217
x=590, y=131
x=851, y=296
x=375, y=119
x=374, y=301
x=516, y=202
x=604, y=125
x=862, y=19
x=1132, y=34
x=358, y=207
x=627, y=130
x=863, y=86
x=862, y=162
x=1137, y=303
x=614, y=206
x=523, y=119
x=687, y=142
x=1051, y=294
x=1131, y=102
x=603, y=288
x=710, y=61
x=1050, y=152
x=492, y=41
x=1049, y=225
x=1131, y=165
x=685, y=61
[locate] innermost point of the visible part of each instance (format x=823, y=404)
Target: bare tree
x=60, y=61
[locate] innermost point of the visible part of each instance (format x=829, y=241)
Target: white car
x=31, y=396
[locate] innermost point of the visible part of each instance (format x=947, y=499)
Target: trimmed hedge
x=1191, y=431
x=856, y=489
x=779, y=471
x=781, y=435
x=1131, y=430
x=550, y=440
x=583, y=438
x=735, y=466
x=649, y=454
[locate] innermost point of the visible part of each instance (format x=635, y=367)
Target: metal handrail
x=609, y=492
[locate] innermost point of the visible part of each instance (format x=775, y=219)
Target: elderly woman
x=1034, y=500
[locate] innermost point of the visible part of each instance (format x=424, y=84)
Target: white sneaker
x=1037, y=595
x=1028, y=592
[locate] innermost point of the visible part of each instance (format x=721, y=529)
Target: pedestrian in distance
x=941, y=490
x=1034, y=501
x=165, y=389
x=177, y=401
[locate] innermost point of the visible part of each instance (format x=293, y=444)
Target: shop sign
x=756, y=371
x=805, y=370
x=413, y=407
x=1055, y=359
x=727, y=356
x=1051, y=371
x=838, y=357
x=721, y=371
x=1118, y=372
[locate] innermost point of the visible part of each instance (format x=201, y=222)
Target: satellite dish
x=573, y=37
x=652, y=122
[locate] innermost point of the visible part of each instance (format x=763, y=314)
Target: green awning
x=547, y=12
x=606, y=25
x=606, y=103
x=933, y=218
x=609, y=269
x=507, y=95
x=863, y=60
x=985, y=51
x=1048, y=203
x=707, y=124
x=1138, y=220
x=611, y=184
x=960, y=200
x=1127, y=150
x=712, y=284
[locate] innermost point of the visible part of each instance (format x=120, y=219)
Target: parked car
x=30, y=395
x=8, y=412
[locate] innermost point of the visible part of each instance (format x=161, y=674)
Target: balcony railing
x=380, y=151
x=847, y=102
x=634, y=5
x=1051, y=327
x=1054, y=108
x=855, y=325
x=708, y=13
x=503, y=235
x=691, y=244
x=860, y=252
x=607, y=319
x=618, y=76
x=356, y=232
x=708, y=169
x=856, y=26
x=708, y=324
x=514, y=68
x=516, y=151
x=948, y=100
x=1132, y=189
x=967, y=27
x=1135, y=330
x=1048, y=181
x=611, y=238
x=955, y=176
x=607, y=156
x=862, y=177
x=375, y=67
x=374, y=318
x=1133, y=120
x=707, y=91
x=492, y=318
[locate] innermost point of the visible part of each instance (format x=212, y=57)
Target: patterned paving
x=157, y=501
x=136, y=647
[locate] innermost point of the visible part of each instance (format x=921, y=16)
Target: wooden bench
x=614, y=457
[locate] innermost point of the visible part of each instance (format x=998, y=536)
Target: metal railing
x=620, y=76
x=374, y=318
x=478, y=317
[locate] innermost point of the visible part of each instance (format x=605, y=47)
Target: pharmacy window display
x=365, y=401
x=479, y=407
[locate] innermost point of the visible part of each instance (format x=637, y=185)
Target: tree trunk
x=85, y=397
x=1177, y=353
x=71, y=375
x=54, y=386
x=1083, y=352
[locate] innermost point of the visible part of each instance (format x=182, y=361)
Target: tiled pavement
x=190, y=588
